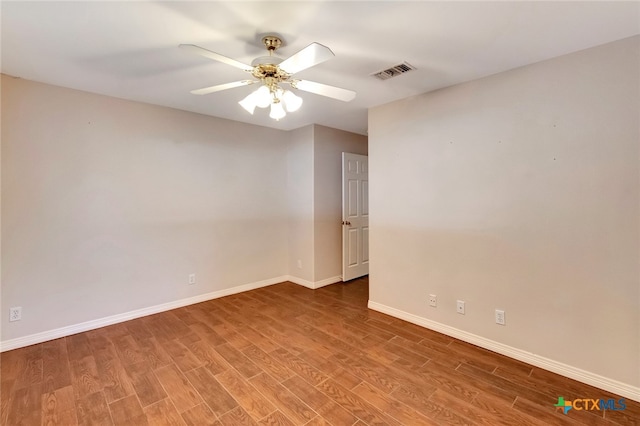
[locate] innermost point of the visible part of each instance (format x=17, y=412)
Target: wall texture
x=300, y=198
x=519, y=191
x=108, y=205
x=328, y=146
x=315, y=202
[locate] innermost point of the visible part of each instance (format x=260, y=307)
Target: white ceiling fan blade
x=325, y=90
x=215, y=56
x=219, y=87
x=311, y=55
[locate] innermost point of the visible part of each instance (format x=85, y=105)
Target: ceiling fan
x=272, y=71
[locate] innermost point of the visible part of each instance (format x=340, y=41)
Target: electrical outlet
x=433, y=300
x=192, y=278
x=299, y=264
x=15, y=314
x=500, y=317
x=460, y=307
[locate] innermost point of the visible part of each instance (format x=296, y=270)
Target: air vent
x=394, y=71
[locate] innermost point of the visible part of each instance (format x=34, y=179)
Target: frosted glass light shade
x=291, y=101
x=277, y=111
x=263, y=97
x=249, y=103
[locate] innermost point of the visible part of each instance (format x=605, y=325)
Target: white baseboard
x=328, y=281
x=126, y=316
x=617, y=387
x=301, y=281
x=57, y=333
x=314, y=284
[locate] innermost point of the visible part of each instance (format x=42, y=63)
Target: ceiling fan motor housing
x=266, y=60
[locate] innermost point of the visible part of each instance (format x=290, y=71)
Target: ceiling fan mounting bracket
x=271, y=42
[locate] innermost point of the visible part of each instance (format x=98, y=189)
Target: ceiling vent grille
x=394, y=71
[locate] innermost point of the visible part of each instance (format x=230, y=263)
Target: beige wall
x=108, y=205
x=315, y=201
x=300, y=197
x=519, y=191
x=328, y=146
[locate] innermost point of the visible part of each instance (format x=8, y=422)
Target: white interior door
x=355, y=216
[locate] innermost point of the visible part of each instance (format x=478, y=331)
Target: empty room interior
x=320, y=213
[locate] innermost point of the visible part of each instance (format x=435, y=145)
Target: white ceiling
x=130, y=49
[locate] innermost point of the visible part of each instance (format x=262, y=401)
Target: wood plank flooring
x=282, y=355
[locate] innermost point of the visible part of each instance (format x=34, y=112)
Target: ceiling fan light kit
x=271, y=72
x=271, y=94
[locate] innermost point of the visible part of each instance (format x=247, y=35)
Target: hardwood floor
x=282, y=355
